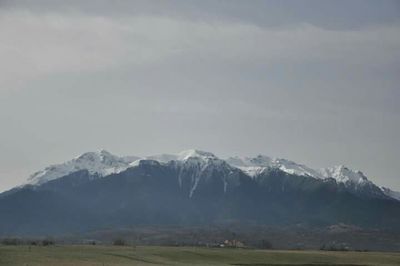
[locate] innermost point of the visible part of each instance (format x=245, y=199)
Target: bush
x=33, y=243
x=47, y=242
x=11, y=241
x=335, y=247
x=119, y=242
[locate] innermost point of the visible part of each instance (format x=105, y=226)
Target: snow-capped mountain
x=198, y=166
x=352, y=179
x=256, y=165
x=182, y=156
x=342, y=174
x=99, y=163
x=103, y=163
x=192, y=187
x=195, y=164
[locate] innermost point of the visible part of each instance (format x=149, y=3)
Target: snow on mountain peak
x=343, y=174
x=97, y=156
x=256, y=165
x=103, y=163
x=182, y=156
x=193, y=153
x=259, y=160
x=100, y=162
x=197, y=165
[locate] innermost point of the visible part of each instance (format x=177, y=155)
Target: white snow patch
x=255, y=166
x=342, y=174
x=101, y=162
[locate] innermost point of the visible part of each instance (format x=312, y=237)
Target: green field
x=149, y=255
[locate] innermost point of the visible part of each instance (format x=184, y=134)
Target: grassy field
x=148, y=255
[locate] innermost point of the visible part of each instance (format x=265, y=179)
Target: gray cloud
x=340, y=14
x=229, y=77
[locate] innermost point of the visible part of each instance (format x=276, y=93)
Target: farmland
x=85, y=255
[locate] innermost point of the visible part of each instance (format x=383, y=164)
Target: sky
x=317, y=82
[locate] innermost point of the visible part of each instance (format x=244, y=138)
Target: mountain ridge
x=188, y=188
x=103, y=163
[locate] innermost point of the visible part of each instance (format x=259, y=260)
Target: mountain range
x=101, y=190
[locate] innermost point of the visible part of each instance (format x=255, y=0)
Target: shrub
x=119, y=242
x=33, y=243
x=11, y=241
x=47, y=242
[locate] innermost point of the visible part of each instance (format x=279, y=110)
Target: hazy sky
x=317, y=82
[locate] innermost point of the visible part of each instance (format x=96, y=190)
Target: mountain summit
x=98, y=189
x=103, y=163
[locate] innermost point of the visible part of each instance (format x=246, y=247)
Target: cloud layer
x=33, y=46
x=159, y=79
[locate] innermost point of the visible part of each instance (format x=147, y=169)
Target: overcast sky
x=317, y=82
